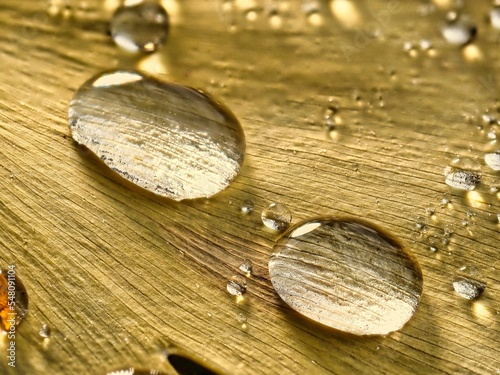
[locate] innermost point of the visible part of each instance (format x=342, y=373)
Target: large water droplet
x=461, y=179
x=493, y=160
x=140, y=26
x=170, y=139
x=459, y=31
x=13, y=299
x=346, y=274
x=277, y=216
x=467, y=283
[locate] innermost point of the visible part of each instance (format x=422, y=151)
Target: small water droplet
x=277, y=216
x=459, y=31
x=140, y=26
x=45, y=331
x=247, y=206
x=247, y=267
x=433, y=249
x=467, y=282
x=425, y=45
x=275, y=20
x=237, y=285
x=346, y=274
x=166, y=138
x=495, y=17
x=461, y=179
x=18, y=302
x=251, y=15
x=241, y=318
x=493, y=160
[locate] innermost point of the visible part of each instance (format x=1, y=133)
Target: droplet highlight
x=170, y=139
x=140, y=26
x=346, y=274
x=276, y=217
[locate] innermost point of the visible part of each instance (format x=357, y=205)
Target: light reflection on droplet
x=347, y=13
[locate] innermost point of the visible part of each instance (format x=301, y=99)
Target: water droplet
x=459, y=31
x=247, y=267
x=166, y=138
x=9, y=282
x=247, y=207
x=346, y=274
x=277, y=216
x=140, y=26
x=241, y=318
x=275, y=20
x=45, y=331
x=461, y=179
x=495, y=17
x=493, y=160
x=425, y=45
x=433, y=249
x=237, y=285
x=467, y=283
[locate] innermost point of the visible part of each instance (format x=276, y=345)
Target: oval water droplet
x=10, y=282
x=167, y=138
x=247, y=206
x=237, y=285
x=276, y=217
x=140, y=26
x=45, y=331
x=493, y=160
x=495, y=17
x=346, y=274
x=247, y=267
x=459, y=31
x=461, y=179
x=467, y=283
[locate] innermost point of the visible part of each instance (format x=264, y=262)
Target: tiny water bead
x=45, y=331
x=459, y=31
x=166, y=138
x=13, y=299
x=493, y=160
x=237, y=285
x=461, y=179
x=467, y=283
x=276, y=217
x=140, y=26
x=346, y=274
x=247, y=207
